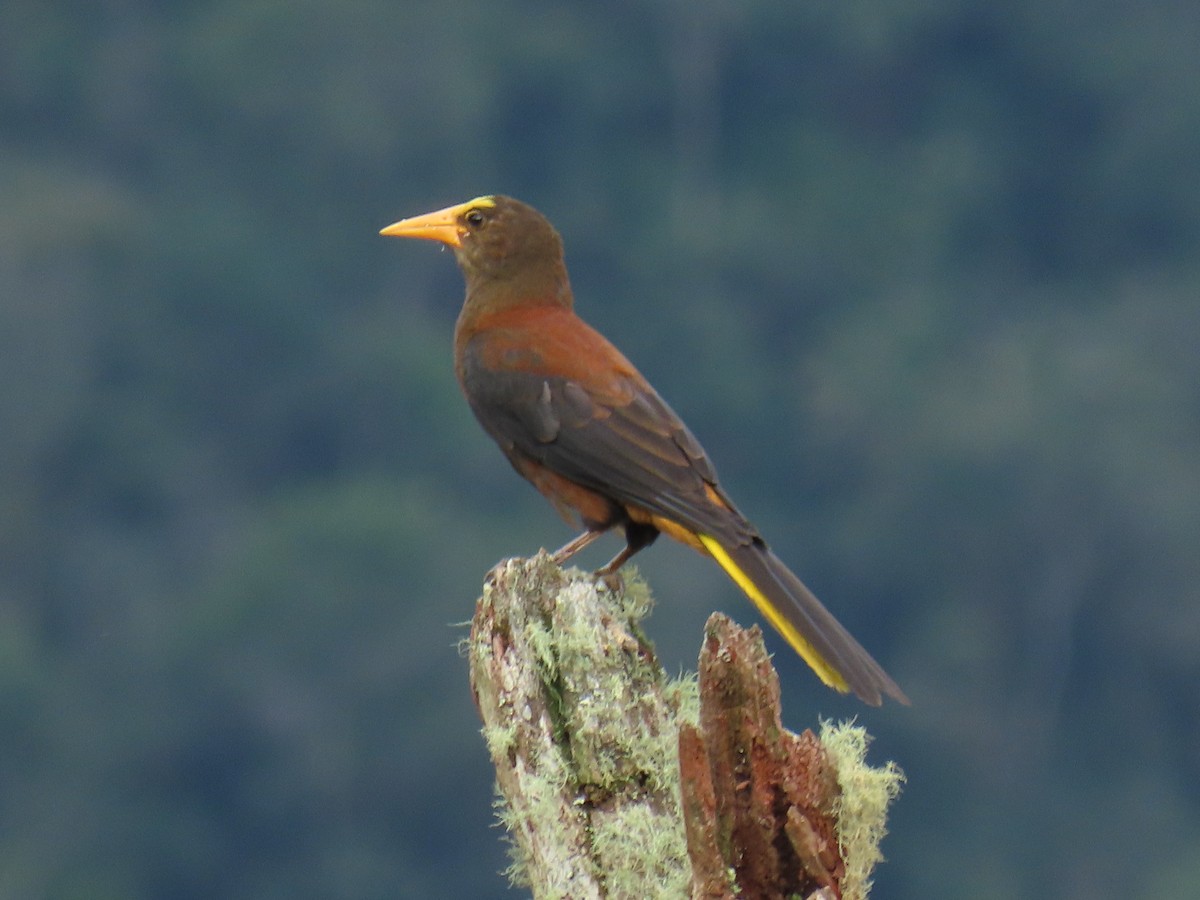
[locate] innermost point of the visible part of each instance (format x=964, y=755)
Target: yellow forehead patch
x=482, y=201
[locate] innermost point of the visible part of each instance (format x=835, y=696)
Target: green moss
x=640, y=857
x=517, y=871
x=545, y=646
x=500, y=739
x=861, y=810
x=543, y=788
x=636, y=601
x=683, y=693
x=599, y=674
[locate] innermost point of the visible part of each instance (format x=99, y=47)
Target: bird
x=576, y=419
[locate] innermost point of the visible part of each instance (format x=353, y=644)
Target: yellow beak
x=445, y=225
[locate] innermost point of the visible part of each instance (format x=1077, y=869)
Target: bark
x=759, y=801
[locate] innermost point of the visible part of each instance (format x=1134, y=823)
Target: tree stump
x=617, y=782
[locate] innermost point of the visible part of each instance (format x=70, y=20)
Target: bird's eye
x=474, y=218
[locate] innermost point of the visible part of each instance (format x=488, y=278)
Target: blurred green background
x=923, y=276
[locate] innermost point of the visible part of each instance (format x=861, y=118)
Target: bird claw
x=613, y=580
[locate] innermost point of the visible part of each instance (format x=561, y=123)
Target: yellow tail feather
x=807, y=652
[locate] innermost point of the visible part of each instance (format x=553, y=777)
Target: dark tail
x=837, y=658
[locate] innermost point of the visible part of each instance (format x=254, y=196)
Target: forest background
x=923, y=276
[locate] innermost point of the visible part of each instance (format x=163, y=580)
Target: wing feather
x=637, y=452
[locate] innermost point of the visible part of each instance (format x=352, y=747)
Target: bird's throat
x=489, y=294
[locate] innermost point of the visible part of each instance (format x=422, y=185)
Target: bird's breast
x=543, y=340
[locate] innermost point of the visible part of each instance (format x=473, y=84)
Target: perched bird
x=577, y=420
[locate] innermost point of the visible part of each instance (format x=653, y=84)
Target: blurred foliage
x=923, y=277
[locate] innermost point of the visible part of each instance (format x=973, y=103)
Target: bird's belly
x=597, y=512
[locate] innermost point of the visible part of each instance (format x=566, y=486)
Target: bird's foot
x=611, y=579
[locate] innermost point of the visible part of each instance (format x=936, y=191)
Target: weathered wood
x=581, y=724
x=759, y=800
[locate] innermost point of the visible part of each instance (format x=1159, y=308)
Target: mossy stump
x=587, y=735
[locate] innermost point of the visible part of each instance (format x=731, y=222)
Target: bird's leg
x=637, y=537
x=573, y=546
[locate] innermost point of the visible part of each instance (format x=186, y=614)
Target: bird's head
x=498, y=242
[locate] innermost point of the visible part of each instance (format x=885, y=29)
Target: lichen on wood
x=580, y=721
